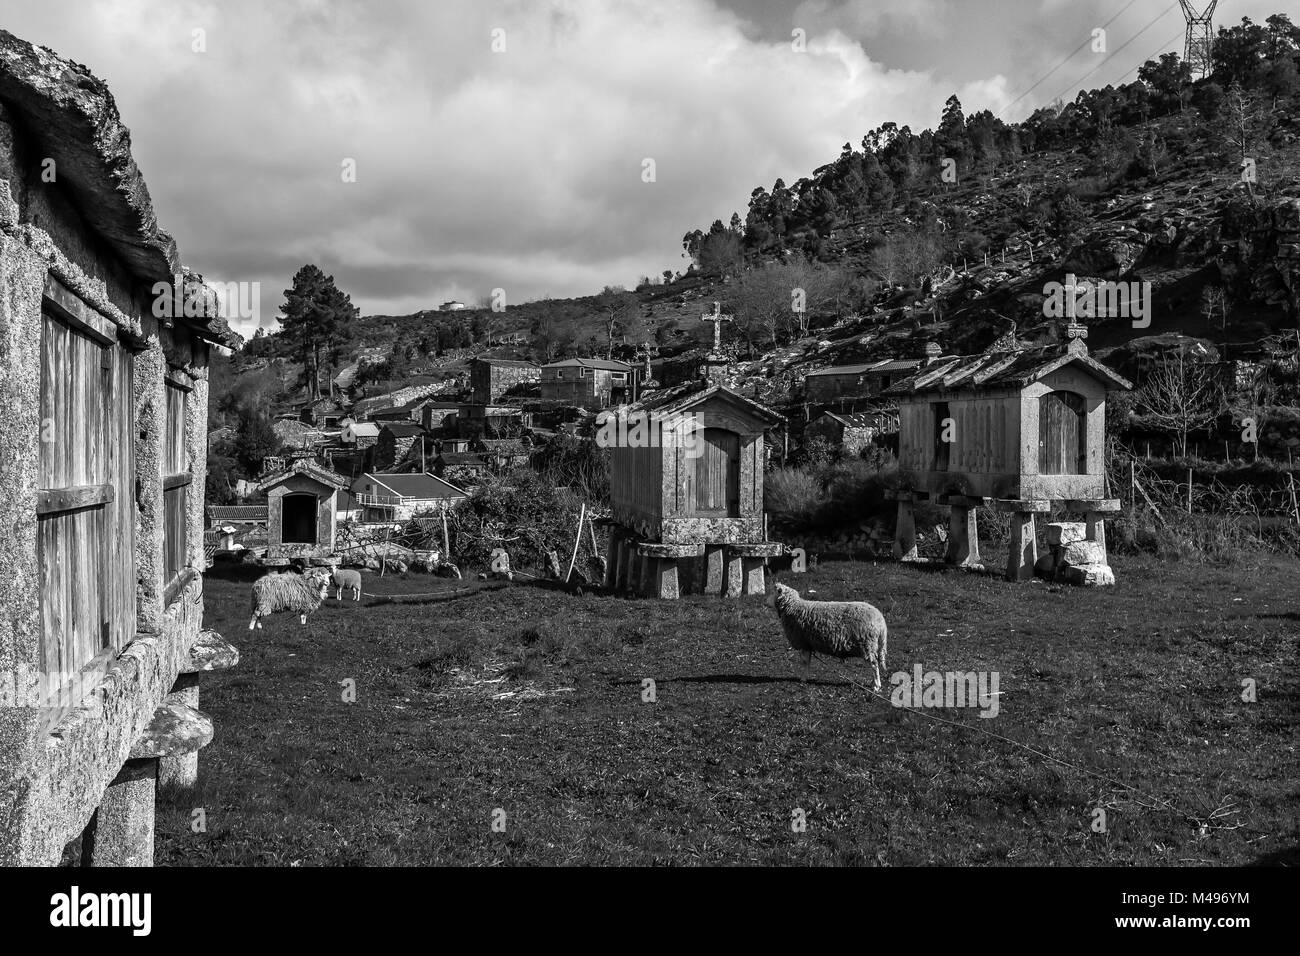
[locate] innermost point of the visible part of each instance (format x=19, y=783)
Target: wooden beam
x=55, y=500
x=181, y=581
x=68, y=306
x=176, y=481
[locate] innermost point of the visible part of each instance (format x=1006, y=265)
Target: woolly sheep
x=835, y=628
x=350, y=580
x=288, y=591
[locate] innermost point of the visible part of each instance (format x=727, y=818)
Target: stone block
x=1066, y=532
x=1088, y=575
x=1081, y=553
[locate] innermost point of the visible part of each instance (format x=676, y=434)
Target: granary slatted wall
x=86, y=527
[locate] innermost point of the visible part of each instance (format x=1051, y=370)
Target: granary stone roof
x=681, y=398
x=607, y=365
x=307, y=468
x=1000, y=370
x=72, y=115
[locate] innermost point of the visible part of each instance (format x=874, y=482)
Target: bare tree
x=777, y=300
x=615, y=304
x=1214, y=300
x=1179, y=397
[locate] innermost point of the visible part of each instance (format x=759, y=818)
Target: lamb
x=350, y=580
x=836, y=628
x=287, y=591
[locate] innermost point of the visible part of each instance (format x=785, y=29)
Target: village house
x=462, y=468
x=437, y=415
x=395, y=442
x=105, y=340
x=851, y=432
x=492, y=378
x=360, y=434
x=383, y=497
x=1016, y=430
x=491, y=421
x=322, y=413
x=866, y=380
x=589, y=383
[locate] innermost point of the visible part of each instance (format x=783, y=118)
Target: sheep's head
x=778, y=590
x=320, y=580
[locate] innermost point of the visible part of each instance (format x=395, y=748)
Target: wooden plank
x=173, y=591
x=70, y=308
x=52, y=500
x=177, y=481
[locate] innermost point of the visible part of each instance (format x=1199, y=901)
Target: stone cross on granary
x=717, y=318
x=1077, y=333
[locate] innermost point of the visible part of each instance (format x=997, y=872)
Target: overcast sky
x=522, y=169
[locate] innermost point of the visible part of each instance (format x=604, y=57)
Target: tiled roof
x=236, y=513
x=1002, y=370
x=423, y=486
x=609, y=366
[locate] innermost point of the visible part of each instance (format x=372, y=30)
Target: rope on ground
x=1202, y=822
x=432, y=595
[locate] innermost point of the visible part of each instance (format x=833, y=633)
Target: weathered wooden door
x=717, y=474
x=1061, y=434
x=85, y=505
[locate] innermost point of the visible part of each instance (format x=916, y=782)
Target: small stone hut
x=301, y=513
x=104, y=346
x=1016, y=430
x=686, y=485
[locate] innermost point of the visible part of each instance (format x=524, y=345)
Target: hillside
x=952, y=236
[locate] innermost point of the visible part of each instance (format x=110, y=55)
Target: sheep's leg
x=806, y=657
x=303, y=618
x=253, y=623
x=338, y=593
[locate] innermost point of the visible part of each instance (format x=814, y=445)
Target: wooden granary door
x=1062, y=434
x=717, y=474
x=85, y=503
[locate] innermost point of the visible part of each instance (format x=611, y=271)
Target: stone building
x=589, y=383
x=1017, y=431
x=491, y=378
x=104, y=348
x=866, y=380
x=395, y=442
x=851, y=432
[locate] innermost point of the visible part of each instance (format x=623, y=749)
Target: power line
x=1106, y=61
x=1067, y=59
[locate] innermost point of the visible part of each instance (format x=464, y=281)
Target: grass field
x=530, y=701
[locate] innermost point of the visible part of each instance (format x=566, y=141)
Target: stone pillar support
x=209, y=652
x=714, y=569
x=1023, y=545
x=663, y=578
x=963, y=531
x=121, y=830
x=905, y=528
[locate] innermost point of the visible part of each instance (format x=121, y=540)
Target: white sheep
x=836, y=628
x=288, y=591
x=349, y=580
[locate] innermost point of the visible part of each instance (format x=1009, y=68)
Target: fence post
x=1295, y=509
x=1189, y=491
x=1132, y=484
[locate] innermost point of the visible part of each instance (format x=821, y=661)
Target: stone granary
x=104, y=347
x=1016, y=431
x=866, y=380
x=686, y=488
x=301, y=510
